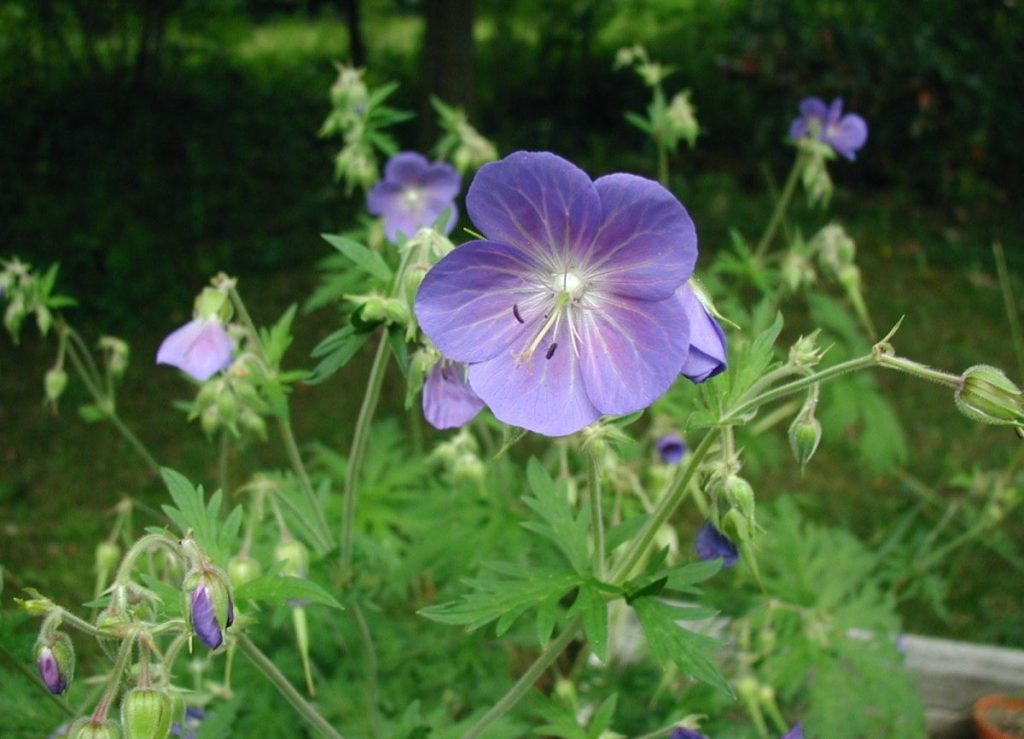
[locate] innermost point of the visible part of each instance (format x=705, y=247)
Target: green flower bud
x=737, y=527
x=116, y=353
x=804, y=437
x=294, y=555
x=88, y=728
x=209, y=419
x=989, y=396
x=468, y=467
x=212, y=302
x=106, y=557
x=54, y=383
x=13, y=317
x=253, y=424
x=146, y=714
x=242, y=569
x=740, y=496
x=682, y=118
x=805, y=351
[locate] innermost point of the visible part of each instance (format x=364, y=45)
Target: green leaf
x=593, y=608
x=639, y=121
x=215, y=537
x=602, y=720
x=670, y=642
x=368, y=261
x=278, y=338
x=343, y=345
x=396, y=340
x=91, y=413
x=560, y=526
x=279, y=589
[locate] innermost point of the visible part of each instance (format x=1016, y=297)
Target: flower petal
x=538, y=202
x=647, y=245
x=448, y=400
x=204, y=620
x=630, y=350
x=713, y=544
x=200, y=348
x=542, y=394
x=708, y=347
x=813, y=108
x=405, y=166
x=850, y=134
x=467, y=303
x=835, y=111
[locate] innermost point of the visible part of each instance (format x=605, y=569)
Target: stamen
x=515, y=312
x=551, y=350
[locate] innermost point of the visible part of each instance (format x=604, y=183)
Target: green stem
x=124, y=655
x=134, y=442
x=144, y=544
x=270, y=671
x=780, y=207
x=596, y=517
x=372, y=670
x=318, y=529
x=663, y=165
x=524, y=683
x=360, y=437
x=1012, y=315
x=666, y=507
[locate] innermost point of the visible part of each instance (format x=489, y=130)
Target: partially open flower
x=713, y=544
x=200, y=348
x=209, y=607
x=671, y=448
x=796, y=732
x=55, y=658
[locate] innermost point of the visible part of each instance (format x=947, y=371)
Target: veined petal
x=543, y=393
x=538, y=202
x=708, y=347
x=630, y=351
x=448, y=400
x=204, y=620
x=646, y=246
x=200, y=348
x=469, y=301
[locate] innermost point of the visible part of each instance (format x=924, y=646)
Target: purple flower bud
x=681, y=732
x=55, y=658
x=448, y=400
x=708, y=346
x=671, y=447
x=797, y=732
x=200, y=348
x=713, y=544
x=209, y=606
x=413, y=194
x=844, y=133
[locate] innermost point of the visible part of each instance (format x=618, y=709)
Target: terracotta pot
x=999, y=717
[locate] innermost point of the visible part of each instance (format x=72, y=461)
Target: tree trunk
x=448, y=70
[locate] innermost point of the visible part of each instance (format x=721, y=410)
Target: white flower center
x=412, y=196
x=568, y=282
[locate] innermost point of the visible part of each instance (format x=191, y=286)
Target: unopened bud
x=213, y=303
x=294, y=556
x=146, y=714
x=252, y=423
x=805, y=352
x=209, y=419
x=54, y=383
x=90, y=728
x=116, y=352
x=242, y=569
x=55, y=658
x=208, y=607
x=740, y=496
x=989, y=396
x=682, y=118
x=106, y=557
x=804, y=437
x=468, y=467
x=44, y=319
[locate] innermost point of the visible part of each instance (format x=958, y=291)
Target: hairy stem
x=597, y=519
x=780, y=207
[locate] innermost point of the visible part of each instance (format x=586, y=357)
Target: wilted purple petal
x=630, y=351
x=204, y=619
x=469, y=302
x=200, y=348
x=413, y=194
x=49, y=670
x=448, y=400
x=797, y=732
x=543, y=393
x=713, y=544
x=708, y=347
x=681, y=732
x=671, y=448
x=537, y=202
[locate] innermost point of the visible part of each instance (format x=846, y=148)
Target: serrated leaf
x=346, y=344
x=279, y=589
x=278, y=337
x=603, y=717
x=670, y=642
x=191, y=512
x=683, y=577
x=593, y=609
x=550, y=501
x=396, y=340
x=365, y=259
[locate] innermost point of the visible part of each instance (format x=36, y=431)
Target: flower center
x=412, y=196
x=568, y=283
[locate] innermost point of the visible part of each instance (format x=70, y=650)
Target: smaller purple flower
x=189, y=727
x=708, y=346
x=713, y=544
x=797, y=732
x=413, y=194
x=55, y=679
x=844, y=133
x=671, y=447
x=681, y=732
x=200, y=348
x=448, y=400
x=205, y=600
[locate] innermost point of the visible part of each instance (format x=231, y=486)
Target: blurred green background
x=147, y=144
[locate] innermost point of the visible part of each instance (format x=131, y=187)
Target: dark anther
x=551, y=350
x=515, y=312
x=444, y=373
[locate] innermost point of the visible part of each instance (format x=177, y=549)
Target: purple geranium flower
x=708, y=347
x=567, y=310
x=203, y=613
x=413, y=194
x=844, y=133
x=713, y=544
x=797, y=732
x=671, y=447
x=681, y=732
x=54, y=678
x=200, y=348
x=448, y=400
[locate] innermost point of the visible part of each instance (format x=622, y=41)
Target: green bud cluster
x=232, y=400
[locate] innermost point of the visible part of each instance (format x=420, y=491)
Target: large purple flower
x=200, y=348
x=567, y=310
x=713, y=544
x=413, y=194
x=844, y=133
x=708, y=347
x=448, y=400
